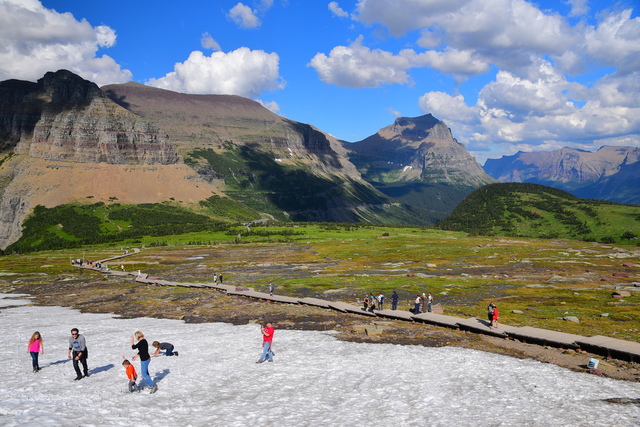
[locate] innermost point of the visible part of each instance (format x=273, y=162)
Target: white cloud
x=402, y=16
x=453, y=108
x=207, y=42
x=502, y=32
x=269, y=105
x=35, y=40
x=539, y=56
x=241, y=72
x=453, y=61
x=244, y=16
x=358, y=66
x=616, y=41
x=335, y=8
x=578, y=7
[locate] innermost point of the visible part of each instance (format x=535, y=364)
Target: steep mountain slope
x=533, y=210
x=63, y=141
x=584, y=173
x=417, y=161
x=287, y=169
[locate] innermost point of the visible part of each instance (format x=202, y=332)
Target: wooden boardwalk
x=605, y=346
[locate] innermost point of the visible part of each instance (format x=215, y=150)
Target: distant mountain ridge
x=610, y=173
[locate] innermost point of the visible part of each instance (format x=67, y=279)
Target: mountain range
x=611, y=173
x=64, y=140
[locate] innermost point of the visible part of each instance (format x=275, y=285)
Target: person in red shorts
x=494, y=321
x=267, y=339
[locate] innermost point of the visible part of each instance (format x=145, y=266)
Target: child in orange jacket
x=132, y=375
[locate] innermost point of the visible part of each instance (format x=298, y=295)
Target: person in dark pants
x=394, y=301
x=143, y=352
x=166, y=346
x=78, y=350
x=416, y=305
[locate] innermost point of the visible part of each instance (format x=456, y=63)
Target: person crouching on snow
x=167, y=347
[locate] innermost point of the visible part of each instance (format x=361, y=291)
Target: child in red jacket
x=132, y=375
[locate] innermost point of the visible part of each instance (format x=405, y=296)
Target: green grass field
x=545, y=279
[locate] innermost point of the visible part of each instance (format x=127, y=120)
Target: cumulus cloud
x=241, y=72
x=453, y=61
x=358, y=66
x=615, y=41
x=35, y=40
x=244, y=16
x=207, y=42
x=454, y=108
x=538, y=57
x=578, y=7
x=269, y=105
x=336, y=10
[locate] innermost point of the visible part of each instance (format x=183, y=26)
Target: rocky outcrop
x=418, y=149
x=63, y=117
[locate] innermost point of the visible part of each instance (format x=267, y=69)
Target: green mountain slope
x=532, y=210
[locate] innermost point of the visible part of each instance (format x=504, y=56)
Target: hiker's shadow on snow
x=102, y=368
x=59, y=362
x=160, y=375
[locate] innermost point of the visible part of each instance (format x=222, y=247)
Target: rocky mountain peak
x=65, y=89
x=414, y=130
x=417, y=149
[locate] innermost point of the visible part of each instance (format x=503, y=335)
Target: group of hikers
x=79, y=353
x=423, y=303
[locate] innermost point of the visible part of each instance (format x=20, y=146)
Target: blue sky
x=505, y=75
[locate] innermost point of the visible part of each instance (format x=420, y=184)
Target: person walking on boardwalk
x=416, y=305
x=143, y=351
x=494, y=320
x=423, y=300
x=78, y=350
x=430, y=303
x=365, y=303
x=490, y=309
x=271, y=289
x=267, y=341
x=35, y=348
x=372, y=303
x=381, y=301
x=394, y=301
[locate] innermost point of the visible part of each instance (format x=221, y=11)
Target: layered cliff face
x=208, y=121
x=66, y=118
x=62, y=140
x=604, y=174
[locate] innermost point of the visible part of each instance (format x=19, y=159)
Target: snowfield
x=314, y=380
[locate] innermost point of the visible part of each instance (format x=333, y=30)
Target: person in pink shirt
x=35, y=347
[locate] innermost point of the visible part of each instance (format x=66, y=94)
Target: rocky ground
x=92, y=292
